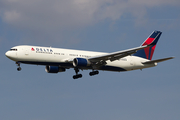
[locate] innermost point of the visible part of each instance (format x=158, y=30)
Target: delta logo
x=32, y=49
x=41, y=50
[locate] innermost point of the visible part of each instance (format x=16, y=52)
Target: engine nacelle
x=54, y=69
x=81, y=62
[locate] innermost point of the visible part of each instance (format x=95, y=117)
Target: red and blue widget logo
x=32, y=49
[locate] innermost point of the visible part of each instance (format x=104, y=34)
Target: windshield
x=13, y=49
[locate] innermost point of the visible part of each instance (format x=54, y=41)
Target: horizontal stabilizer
x=158, y=60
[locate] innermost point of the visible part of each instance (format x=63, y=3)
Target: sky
x=94, y=25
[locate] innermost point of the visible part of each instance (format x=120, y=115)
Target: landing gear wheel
x=94, y=73
x=19, y=69
x=91, y=74
x=77, y=76
x=18, y=64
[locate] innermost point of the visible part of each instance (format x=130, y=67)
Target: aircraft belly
x=111, y=68
x=69, y=65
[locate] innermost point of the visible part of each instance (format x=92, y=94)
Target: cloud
x=73, y=13
x=11, y=16
x=50, y=16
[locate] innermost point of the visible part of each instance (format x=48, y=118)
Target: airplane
x=58, y=60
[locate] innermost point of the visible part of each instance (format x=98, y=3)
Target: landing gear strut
x=77, y=75
x=93, y=73
x=19, y=68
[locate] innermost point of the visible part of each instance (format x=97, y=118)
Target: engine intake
x=54, y=69
x=81, y=62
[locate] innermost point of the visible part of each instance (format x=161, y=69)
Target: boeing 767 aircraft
x=58, y=60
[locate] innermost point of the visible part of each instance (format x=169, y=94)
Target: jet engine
x=54, y=69
x=81, y=62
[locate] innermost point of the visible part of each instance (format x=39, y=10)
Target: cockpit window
x=13, y=49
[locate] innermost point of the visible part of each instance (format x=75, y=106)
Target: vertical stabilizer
x=147, y=53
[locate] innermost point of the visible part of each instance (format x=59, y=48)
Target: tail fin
x=152, y=40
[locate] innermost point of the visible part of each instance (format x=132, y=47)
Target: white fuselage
x=63, y=57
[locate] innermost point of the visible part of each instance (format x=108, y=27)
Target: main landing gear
x=19, y=68
x=93, y=73
x=77, y=75
x=80, y=75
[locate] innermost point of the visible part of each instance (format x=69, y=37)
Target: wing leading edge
x=116, y=55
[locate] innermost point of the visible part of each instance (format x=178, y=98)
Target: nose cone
x=11, y=55
x=7, y=54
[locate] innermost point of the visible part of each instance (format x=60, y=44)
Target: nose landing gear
x=19, y=68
